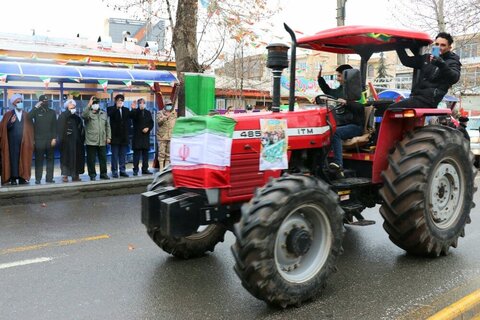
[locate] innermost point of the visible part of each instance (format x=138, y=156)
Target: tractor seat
x=368, y=130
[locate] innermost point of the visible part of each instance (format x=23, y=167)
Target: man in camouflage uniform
x=165, y=121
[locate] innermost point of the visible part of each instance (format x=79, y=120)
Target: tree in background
x=200, y=31
x=382, y=72
x=457, y=17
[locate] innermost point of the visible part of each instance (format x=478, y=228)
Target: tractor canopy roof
x=363, y=39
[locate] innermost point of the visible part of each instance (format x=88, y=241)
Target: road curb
x=62, y=191
x=465, y=308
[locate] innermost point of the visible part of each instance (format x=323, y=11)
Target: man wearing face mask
x=16, y=143
x=45, y=129
x=119, y=124
x=71, y=136
x=142, y=125
x=165, y=120
x=97, y=136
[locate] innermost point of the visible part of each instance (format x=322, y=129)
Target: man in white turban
x=16, y=143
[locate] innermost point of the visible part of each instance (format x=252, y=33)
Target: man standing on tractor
x=350, y=117
x=439, y=71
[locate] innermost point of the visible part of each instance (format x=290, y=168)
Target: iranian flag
x=200, y=151
x=46, y=81
x=104, y=84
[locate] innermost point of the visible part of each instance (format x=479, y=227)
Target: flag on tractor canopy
x=200, y=151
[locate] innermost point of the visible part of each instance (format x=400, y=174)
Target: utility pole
x=340, y=22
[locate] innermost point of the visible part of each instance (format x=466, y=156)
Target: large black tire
x=192, y=246
x=428, y=190
x=265, y=261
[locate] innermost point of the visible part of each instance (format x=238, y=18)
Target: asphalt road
x=92, y=259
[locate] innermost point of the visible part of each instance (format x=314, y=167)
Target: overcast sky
x=66, y=18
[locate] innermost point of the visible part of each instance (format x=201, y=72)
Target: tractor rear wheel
x=428, y=190
x=288, y=240
x=192, y=246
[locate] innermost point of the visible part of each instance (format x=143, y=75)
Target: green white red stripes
x=200, y=151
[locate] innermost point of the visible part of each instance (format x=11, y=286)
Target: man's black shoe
x=13, y=182
x=37, y=181
x=50, y=181
x=135, y=173
x=104, y=177
x=147, y=172
x=114, y=175
x=124, y=174
x=22, y=181
x=92, y=178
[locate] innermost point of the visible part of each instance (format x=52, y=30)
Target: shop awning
x=23, y=71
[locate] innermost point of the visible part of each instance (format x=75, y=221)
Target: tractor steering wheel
x=328, y=101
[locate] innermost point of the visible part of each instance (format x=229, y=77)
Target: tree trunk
x=441, y=16
x=185, y=45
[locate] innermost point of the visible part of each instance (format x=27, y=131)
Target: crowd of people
x=24, y=134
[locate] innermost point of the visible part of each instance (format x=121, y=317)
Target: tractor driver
x=437, y=74
x=350, y=118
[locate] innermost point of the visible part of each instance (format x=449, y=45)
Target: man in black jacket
x=437, y=74
x=142, y=126
x=119, y=124
x=350, y=117
x=45, y=132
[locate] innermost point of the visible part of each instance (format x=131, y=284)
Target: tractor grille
x=244, y=174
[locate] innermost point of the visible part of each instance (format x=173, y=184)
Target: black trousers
x=92, y=153
x=136, y=159
x=43, y=148
x=412, y=102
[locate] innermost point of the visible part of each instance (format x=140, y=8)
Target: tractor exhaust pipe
x=293, y=63
x=277, y=60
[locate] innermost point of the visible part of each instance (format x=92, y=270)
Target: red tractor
x=288, y=217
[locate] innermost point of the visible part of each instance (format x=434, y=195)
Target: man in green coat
x=97, y=136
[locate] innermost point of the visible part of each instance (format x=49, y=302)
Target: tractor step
x=360, y=223
x=360, y=219
x=349, y=183
x=352, y=206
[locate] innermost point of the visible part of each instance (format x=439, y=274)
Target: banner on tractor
x=273, y=154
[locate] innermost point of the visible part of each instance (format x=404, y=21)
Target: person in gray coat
x=97, y=136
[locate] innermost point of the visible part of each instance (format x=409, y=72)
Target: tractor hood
x=208, y=152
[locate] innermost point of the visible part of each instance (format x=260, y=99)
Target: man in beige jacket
x=165, y=120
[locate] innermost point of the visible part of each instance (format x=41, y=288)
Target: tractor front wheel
x=288, y=240
x=192, y=246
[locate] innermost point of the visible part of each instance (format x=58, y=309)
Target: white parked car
x=473, y=128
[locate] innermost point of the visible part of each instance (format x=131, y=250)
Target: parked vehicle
x=473, y=128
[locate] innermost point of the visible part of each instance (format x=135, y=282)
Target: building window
x=370, y=71
x=467, y=50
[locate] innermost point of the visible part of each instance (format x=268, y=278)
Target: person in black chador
x=45, y=128
x=437, y=74
x=71, y=137
x=142, y=125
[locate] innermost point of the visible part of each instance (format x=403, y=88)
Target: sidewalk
x=33, y=193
